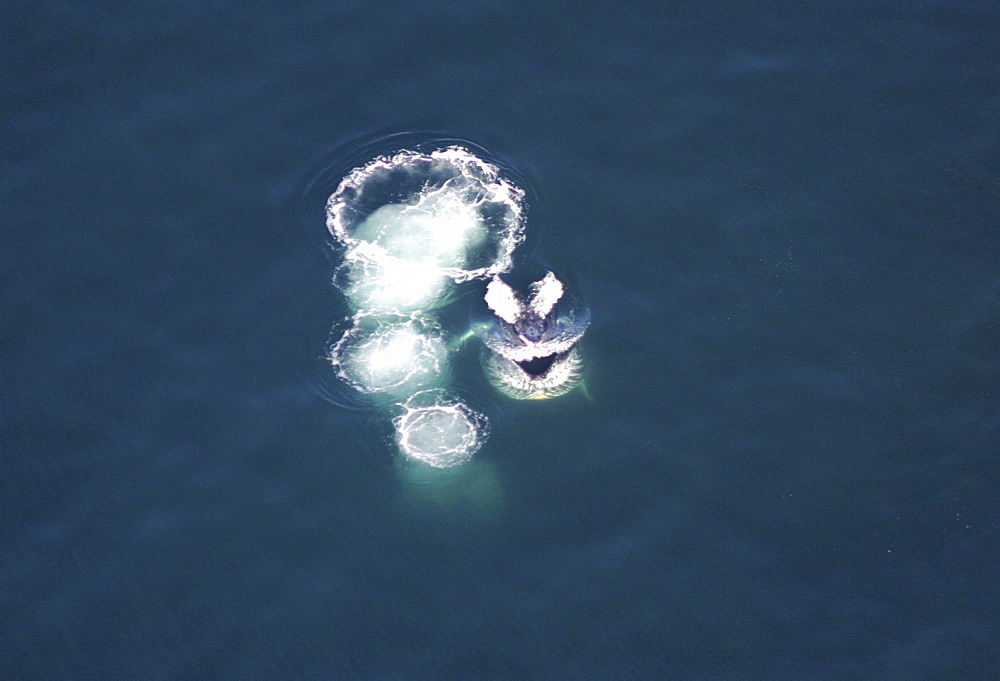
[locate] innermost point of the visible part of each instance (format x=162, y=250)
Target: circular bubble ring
x=438, y=430
x=452, y=169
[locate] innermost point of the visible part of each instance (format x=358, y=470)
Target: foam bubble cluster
x=446, y=213
x=413, y=226
x=439, y=431
x=392, y=357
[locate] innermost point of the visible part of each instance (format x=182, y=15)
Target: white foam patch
x=395, y=358
x=439, y=431
x=542, y=298
x=412, y=226
x=390, y=286
x=501, y=299
x=446, y=208
x=439, y=231
x=545, y=293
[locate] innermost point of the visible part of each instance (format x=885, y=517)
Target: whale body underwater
x=410, y=228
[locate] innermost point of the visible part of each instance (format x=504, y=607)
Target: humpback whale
x=531, y=340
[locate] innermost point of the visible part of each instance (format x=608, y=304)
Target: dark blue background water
x=785, y=219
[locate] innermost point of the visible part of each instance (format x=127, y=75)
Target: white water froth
x=439, y=431
x=412, y=226
x=392, y=357
x=543, y=296
x=447, y=211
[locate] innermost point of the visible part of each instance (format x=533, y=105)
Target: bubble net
x=439, y=431
x=446, y=209
x=412, y=226
x=391, y=357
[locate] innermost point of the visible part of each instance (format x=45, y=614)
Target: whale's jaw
x=563, y=373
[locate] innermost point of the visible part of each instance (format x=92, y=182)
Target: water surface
x=783, y=465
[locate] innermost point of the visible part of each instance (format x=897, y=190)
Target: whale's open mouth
x=538, y=366
x=537, y=378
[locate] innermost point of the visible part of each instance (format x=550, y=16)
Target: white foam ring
x=439, y=431
x=412, y=226
x=441, y=191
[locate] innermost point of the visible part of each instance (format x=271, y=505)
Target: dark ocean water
x=785, y=462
